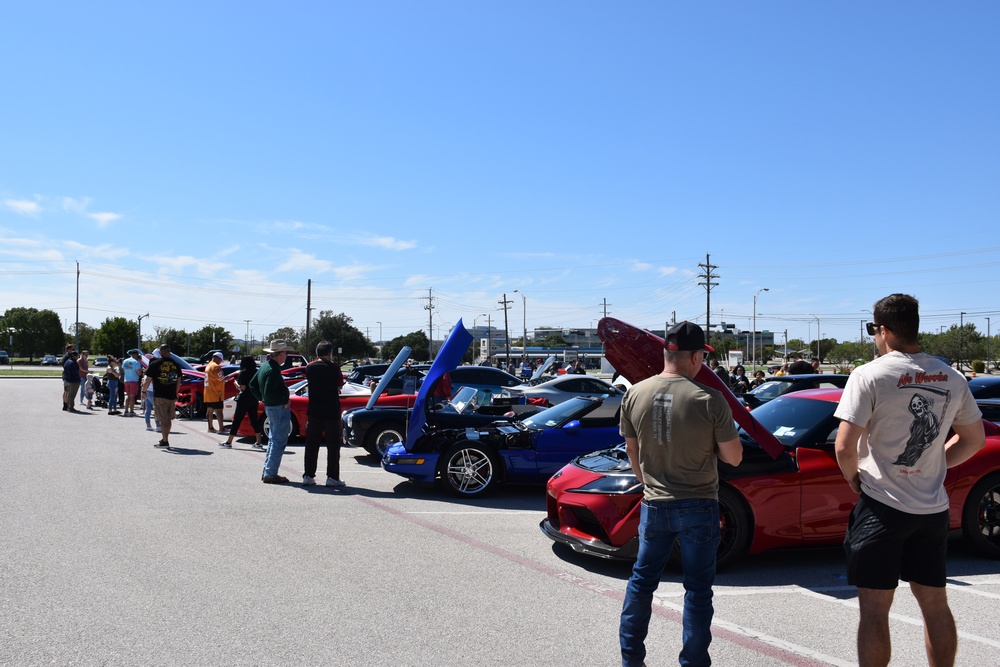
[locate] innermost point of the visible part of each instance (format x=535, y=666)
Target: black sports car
x=785, y=384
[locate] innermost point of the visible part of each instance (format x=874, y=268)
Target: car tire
x=383, y=435
x=736, y=523
x=470, y=469
x=981, y=516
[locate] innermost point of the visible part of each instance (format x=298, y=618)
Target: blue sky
x=202, y=161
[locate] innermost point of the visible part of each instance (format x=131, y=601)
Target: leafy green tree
x=85, y=337
x=115, y=335
x=340, y=330
x=957, y=341
x=552, y=340
x=210, y=337
x=289, y=334
x=36, y=332
x=848, y=352
x=177, y=339
x=417, y=341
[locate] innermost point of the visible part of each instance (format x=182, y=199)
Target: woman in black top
x=246, y=403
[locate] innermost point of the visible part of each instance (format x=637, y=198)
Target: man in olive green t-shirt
x=675, y=431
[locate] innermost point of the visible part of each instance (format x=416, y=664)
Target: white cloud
x=386, y=242
x=666, y=270
x=76, y=205
x=103, y=219
x=304, y=263
x=23, y=207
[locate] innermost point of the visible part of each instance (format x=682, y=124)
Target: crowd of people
x=161, y=381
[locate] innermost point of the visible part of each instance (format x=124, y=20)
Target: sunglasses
x=872, y=328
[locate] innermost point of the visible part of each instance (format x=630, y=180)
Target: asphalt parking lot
x=115, y=553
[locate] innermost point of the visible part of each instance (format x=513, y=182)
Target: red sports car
x=299, y=400
x=798, y=498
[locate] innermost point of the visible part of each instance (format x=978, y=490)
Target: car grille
x=587, y=523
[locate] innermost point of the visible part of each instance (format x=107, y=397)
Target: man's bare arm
x=632, y=449
x=847, y=453
x=731, y=451
x=963, y=445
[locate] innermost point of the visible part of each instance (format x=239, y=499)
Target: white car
x=565, y=387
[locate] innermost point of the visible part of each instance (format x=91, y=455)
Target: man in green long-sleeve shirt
x=268, y=385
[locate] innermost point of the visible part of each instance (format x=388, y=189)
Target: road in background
x=115, y=553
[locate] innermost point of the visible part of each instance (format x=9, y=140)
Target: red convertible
x=299, y=400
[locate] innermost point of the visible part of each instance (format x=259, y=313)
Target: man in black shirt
x=325, y=381
x=165, y=375
x=800, y=367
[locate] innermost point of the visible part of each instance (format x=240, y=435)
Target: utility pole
x=430, y=321
x=506, y=330
x=76, y=329
x=707, y=283
x=309, y=288
x=961, y=335
x=248, y=349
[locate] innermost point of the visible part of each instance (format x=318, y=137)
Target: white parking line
x=511, y=512
x=770, y=640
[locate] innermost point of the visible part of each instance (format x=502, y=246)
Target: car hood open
x=448, y=358
x=638, y=354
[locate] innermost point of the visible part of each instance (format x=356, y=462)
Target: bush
x=978, y=366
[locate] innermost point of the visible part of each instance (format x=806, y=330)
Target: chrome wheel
x=470, y=470
x=981, y=516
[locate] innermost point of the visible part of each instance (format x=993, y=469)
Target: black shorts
x=885, y=545
x=215, y=405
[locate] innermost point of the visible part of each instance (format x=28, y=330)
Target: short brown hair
x=900, y=314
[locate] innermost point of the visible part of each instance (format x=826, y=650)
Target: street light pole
x=762, y=289
x=524, y=323
x=987, y=345
x=139, y=339
x=246, y=339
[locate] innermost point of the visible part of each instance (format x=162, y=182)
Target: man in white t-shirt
x=891, y=446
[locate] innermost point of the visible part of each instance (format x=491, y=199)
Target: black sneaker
x=162, y=445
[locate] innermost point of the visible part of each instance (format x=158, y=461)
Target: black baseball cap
x=687, y=336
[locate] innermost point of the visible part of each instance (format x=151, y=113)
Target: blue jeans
x=281, y=423
x=148, y=405
x=112, y=395
x=694, y=524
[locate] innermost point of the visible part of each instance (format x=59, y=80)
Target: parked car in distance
x=4, y=359
x=100, y=361
x=565, y=387
x=50, y=360
x=785, y=384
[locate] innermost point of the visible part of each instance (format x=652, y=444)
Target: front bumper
x=420, y=467
x=590, y=546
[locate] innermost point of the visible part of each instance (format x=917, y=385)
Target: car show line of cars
x=788, y=491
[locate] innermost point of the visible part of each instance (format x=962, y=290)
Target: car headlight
x=349, y=420
x=408, y=460
x=611, y=484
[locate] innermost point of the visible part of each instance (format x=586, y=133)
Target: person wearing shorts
x=132, y=369
x=895, y=416
x=164, y=375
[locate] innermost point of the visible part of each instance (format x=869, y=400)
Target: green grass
x=34, y=372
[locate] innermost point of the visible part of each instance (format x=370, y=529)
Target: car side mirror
x=572, y=424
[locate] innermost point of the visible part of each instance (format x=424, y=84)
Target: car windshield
x=557, y=415
x=792, y=419
x=769, y=390
x=465, y=400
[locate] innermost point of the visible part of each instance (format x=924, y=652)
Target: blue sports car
x=471, y=462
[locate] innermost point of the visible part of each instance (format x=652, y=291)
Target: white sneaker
x=148, y=427
x=335, y=483
x=225, y=444
x=308, y=481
